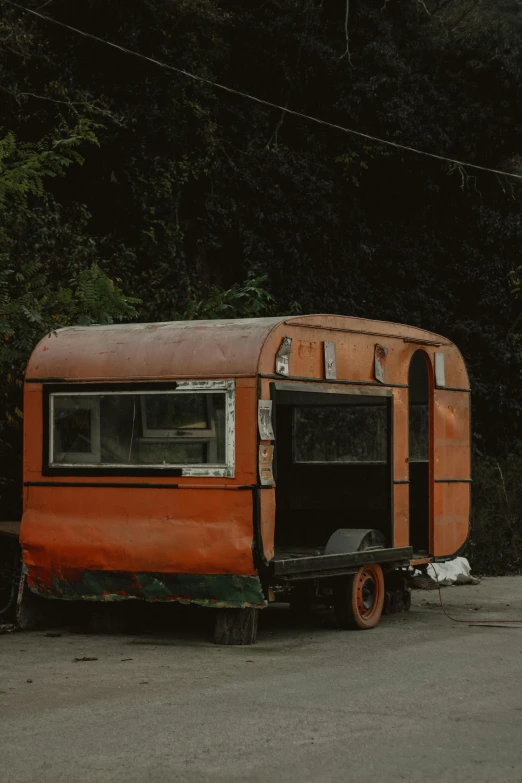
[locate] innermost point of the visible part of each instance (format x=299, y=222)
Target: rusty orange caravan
x=234, y=463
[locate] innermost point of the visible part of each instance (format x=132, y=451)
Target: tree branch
x=347, y=53
x=91, y=106
x=423, y=4
x=469, y=9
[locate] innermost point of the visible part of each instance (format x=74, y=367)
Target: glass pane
x=72, y=431
x=341, y=434
x=176, y=411
x=120, y=428
x=162, y=452
x=140, y=429
x=419, y=437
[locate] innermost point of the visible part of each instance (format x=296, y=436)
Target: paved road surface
x=418, y=698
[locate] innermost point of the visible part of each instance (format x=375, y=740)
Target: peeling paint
x=264, y=420
x=213, y=590
x=380, y=363
x=283, y=356
x=330, y=361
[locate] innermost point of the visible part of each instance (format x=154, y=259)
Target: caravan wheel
x=359, y=598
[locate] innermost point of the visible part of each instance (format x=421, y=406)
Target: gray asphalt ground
x=419, y=698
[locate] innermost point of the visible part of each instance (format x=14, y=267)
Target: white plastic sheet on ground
x=453, y=572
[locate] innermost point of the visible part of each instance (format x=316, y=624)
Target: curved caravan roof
x=201, y=349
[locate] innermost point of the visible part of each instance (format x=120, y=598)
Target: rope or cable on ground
x=286, y=110
x=493, y=623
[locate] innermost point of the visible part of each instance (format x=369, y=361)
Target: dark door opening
x=333, y=467
x=419, y=443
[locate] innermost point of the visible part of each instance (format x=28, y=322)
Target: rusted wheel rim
x=367, y=592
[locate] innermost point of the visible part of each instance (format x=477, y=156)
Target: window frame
x=86, y=389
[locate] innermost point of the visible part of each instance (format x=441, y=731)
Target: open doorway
x=419, y=449
x=333, y=467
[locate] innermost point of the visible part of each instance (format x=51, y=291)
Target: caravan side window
x=190, y=427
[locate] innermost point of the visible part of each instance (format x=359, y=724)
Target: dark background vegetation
x=202, y=203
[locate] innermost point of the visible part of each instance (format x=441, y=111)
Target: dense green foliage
x=47, y=277
x=186, y=190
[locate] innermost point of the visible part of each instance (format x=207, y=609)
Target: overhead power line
x=270, y=104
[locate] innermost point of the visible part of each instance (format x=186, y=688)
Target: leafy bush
x=496, y=520
x=43, y=286
x=244, y=300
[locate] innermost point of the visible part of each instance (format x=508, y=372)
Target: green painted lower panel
x=216, y=590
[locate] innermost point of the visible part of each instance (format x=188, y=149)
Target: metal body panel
x=451, y=460
x=267, y=509
x=177, y=349
x=149, y=531
x=332, y=388
x=140, y=530
x=211, y=349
